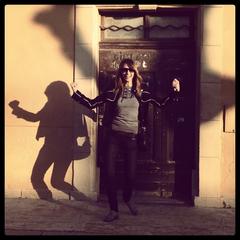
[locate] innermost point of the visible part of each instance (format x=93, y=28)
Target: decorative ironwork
x=129, y=28
x=115, y=28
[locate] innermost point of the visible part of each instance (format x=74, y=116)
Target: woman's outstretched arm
x=147, y=97
x=91, y=103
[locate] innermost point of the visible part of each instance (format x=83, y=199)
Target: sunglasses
x=124, y=70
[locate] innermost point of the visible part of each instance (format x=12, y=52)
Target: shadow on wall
x=227, y=89
x=211, y=96
x=56, y=126
x=56, y=117
x=59, y=21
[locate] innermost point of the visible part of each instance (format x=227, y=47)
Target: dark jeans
x=127, y=144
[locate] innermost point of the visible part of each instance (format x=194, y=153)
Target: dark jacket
x=110, y=98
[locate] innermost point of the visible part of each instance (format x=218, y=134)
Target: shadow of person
x=56, y=126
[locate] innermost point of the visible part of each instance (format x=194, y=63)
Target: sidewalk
x=69, y=217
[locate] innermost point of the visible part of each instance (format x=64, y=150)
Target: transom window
x=145, y=27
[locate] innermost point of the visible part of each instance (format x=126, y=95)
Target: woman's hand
x=74, y=86
x=176, y=85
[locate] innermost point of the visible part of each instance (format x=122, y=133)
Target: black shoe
x=45, y=196
x=132, y=208
x=111, y=216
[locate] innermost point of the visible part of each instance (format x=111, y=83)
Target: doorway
x=165, y=168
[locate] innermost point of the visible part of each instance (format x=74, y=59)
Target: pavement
x=24, y=216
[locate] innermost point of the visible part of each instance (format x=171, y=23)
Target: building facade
x=192, y=150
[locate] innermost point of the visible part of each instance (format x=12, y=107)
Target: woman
x=127, y=101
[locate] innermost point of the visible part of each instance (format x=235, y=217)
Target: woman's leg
x=110, y=172
x=129, y=167
x=130, y=172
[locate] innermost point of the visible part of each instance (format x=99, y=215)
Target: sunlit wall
x=217, y=79
x=38, y=58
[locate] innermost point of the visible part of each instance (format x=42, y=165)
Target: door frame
x=192, y=41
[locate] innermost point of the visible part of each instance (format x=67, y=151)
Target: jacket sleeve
x=147, y=97
x=90, y=103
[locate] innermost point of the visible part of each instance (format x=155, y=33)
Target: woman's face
x=127, y=73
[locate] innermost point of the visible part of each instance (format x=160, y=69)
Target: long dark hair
x=137, y=79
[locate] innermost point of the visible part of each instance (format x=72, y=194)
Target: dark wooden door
x=161, y=164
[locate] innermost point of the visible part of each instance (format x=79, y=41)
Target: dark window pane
x=169, y=27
